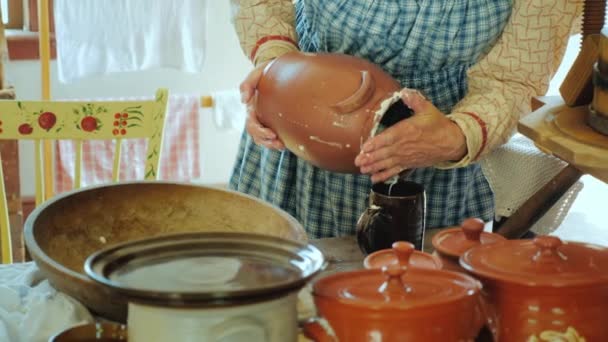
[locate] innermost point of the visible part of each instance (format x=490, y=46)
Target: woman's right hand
x=261, y=135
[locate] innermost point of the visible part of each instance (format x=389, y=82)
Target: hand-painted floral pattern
x=46, y=120
x=129, y=117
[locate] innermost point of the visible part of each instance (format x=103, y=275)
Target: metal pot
x=543, y=289
x=208, y=286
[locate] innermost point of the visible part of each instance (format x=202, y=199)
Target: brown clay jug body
x=396, y=212
x=323, y=106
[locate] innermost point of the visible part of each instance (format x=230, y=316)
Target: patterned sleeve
x=518, y=67
x=266, y=28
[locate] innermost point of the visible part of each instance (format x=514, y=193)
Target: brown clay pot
x=324, y=106
x=403, y=254
x=93, y=332
x=396, y=304
x=544, y=289
x=451, y=243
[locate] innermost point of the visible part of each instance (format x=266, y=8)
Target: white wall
x=225, y=67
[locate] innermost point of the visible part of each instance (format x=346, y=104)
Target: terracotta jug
x=323, y=106
x=543, y=289
x=396, y=212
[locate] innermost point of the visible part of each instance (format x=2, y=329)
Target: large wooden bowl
x=64, y=231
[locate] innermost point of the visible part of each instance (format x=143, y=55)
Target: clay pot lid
x=404, y=254
x=455, y=241
x=204, y=268
x=543, y=261
x=396, y=287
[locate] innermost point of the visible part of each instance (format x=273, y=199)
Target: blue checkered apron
x=426, y=45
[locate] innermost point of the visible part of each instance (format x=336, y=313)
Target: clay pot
x=544, y=289
x=396, y=212
x=325, y=106
x=396, y=304
x=451, y=243
x=403, y=254
x=93, y=332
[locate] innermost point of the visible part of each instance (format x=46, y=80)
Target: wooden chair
x=79, y=121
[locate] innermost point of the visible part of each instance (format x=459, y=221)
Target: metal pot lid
x=545, y=261
x=396, y=287
x=204, y=268
x=404, y=254
x=455, y=241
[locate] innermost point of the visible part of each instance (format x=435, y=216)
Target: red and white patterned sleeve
x=518, y=67
x=266, y=28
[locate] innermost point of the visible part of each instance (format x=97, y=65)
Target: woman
x=439, y=48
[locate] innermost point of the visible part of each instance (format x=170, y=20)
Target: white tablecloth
x=31, y=310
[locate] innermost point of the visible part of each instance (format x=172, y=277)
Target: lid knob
x=403, y=250
x=472, y=228
x=393, y=288
x=547, y=249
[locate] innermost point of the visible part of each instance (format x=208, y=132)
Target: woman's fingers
x=250, y=83
x=386, y=174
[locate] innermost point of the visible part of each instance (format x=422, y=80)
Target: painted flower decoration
x=44, y=119
x=87, y=117
x=129, y=117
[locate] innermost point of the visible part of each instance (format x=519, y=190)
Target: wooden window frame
x=23, y=42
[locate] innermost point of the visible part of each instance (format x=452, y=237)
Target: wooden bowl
x=62, y=232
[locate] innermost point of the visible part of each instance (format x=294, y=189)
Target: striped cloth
x=180, y=157
x=426, y=45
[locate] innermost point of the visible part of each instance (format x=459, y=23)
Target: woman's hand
x=425, y=139
x=261, y=135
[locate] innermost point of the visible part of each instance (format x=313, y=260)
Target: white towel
x=31, y=310
x=228, y=111
x=99, y=37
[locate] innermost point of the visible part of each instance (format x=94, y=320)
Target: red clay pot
x=396, y=304
x=323, y=107
x=544, y=289
x=403, y=254
x=451, y=243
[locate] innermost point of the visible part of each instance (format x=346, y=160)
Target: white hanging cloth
x=99, y=37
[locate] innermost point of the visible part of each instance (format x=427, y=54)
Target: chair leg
x=518, y=224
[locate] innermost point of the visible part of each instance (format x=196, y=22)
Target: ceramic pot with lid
x=396, y=304
x=404, y=254
x=324, y=106
x=451, y=243
x=544, y=289
x=208, y=286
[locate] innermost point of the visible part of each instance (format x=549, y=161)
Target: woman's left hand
x=425, y=139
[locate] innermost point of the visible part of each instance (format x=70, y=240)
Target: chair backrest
x=79, y=121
